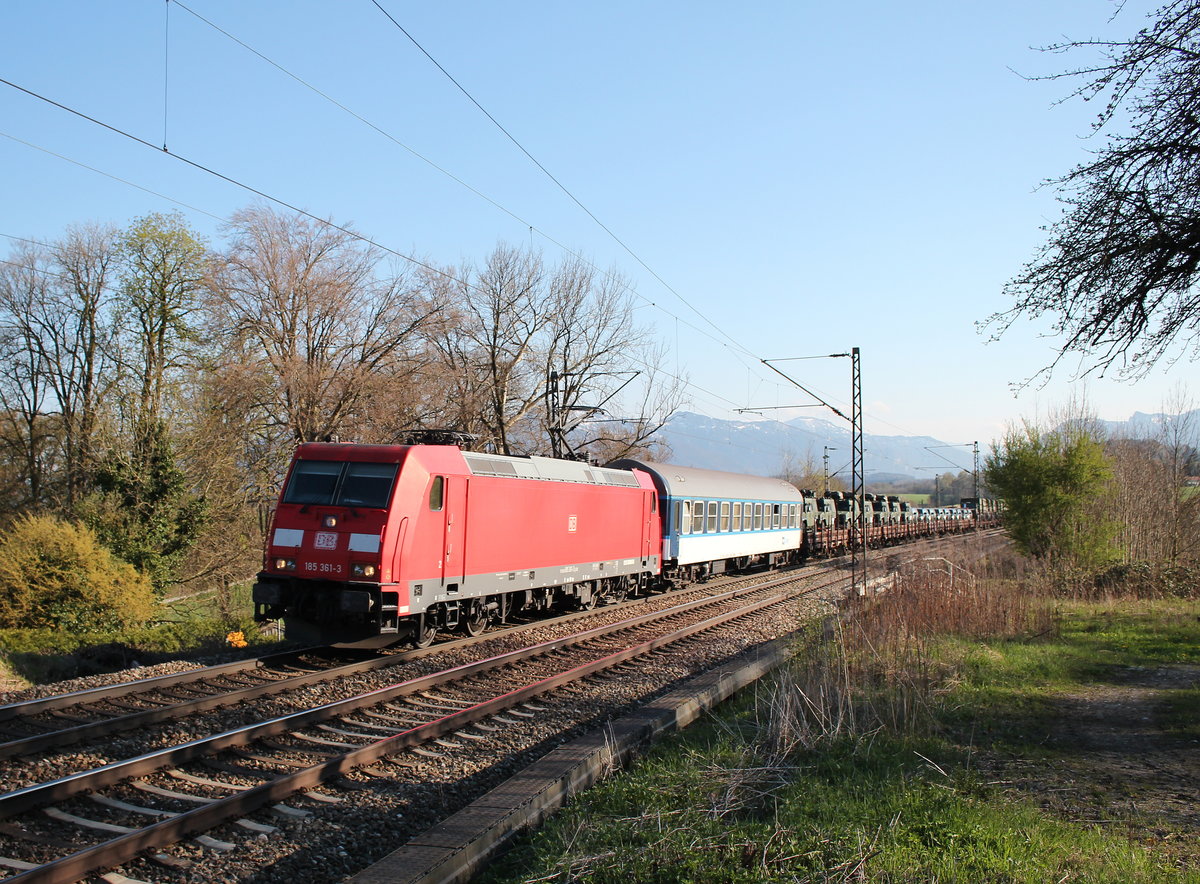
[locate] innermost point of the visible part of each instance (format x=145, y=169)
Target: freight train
x=395, y=542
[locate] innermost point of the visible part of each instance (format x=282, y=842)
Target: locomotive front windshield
x=333, y=483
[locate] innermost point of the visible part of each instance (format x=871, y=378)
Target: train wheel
x=475, y=619
x=585, y=596
x=426, y=630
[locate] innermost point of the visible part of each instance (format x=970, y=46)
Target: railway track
x=48, y=723
x=252, y=767
x=190, y=789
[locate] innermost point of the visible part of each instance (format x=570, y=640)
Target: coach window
x=758, y=517
x=687, y=517
x=791, y=515
x=435, y=493
x=725, y=515
x=775, y=513
x=712, y=517
x=737, y=516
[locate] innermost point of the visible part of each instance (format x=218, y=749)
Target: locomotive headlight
x=360, y=570
x=330, y=522
x=285, y=564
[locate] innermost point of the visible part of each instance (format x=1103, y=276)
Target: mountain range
x=765, y=447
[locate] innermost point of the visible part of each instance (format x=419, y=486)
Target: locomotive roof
x=533, y=467
x=676, y=481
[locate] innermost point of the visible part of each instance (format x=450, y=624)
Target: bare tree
x=305, y=304
x=638, y=411
x=507, y=306
x=81, y=369
x=1178, y=435
x=24, y=391
x=549, y=359
x=1119, y=271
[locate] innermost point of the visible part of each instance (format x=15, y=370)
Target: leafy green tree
x=164, y=271
x=144, y=509
x=1051, y=482
x=56, y=574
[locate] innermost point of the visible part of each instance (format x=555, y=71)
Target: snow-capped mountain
x=763, y=447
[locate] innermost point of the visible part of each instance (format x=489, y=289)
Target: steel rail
x=104, y=727
x=126, y=847
x=29, y=797
x=26, y=708
x=67, y=736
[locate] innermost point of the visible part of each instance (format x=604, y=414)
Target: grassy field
x=953, y=757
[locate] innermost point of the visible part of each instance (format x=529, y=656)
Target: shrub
x=56, y=574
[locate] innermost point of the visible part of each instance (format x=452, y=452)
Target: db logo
x=325, y=540
x=572, y=524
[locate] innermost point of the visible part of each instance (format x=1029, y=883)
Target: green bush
x=55, y=574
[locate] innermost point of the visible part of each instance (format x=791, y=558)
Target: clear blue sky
x=808, y=176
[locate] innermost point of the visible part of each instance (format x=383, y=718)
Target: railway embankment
x=967, y=733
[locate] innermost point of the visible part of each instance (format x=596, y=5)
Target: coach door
x=455, y=537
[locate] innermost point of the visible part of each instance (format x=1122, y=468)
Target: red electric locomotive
x=403, y=540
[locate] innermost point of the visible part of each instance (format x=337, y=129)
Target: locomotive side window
x=313, y=482
x=724, y=515
x=367, y=485
x=712, y=517
x=435, y=493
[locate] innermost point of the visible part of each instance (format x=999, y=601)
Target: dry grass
x=881, y=662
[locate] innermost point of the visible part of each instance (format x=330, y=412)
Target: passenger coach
x=716, y=521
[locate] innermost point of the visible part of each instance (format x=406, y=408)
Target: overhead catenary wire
x=591, y=215
x=472, y=189
x=532, y=228
x=278, y=201
x=558, y=183
x=372, y=242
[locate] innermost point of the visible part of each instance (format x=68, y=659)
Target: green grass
x=1007, y=688
x=713, y=805
x=1181, y=717
x=880, y=811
